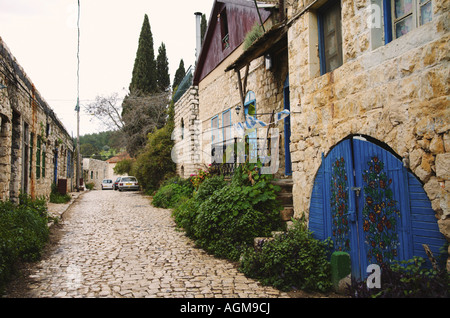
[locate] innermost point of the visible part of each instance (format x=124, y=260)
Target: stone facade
x=397, y=93
x=94, y=171
x=187, y=151
x=35, y=148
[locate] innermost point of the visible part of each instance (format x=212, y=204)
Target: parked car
x=116, y=183
x=107, y=184
x=128, y=183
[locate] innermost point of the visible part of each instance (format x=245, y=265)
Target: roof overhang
x=263, y=45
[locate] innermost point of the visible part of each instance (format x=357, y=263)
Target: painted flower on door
x=339, y=206
x=381, y=214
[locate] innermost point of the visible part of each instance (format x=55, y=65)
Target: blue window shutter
x=387, y=21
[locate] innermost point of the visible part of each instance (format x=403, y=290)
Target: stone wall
x=397, y=93
x=94, y=171
x=26, y=122
x=187, y=151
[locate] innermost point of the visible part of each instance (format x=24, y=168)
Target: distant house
x=95, y=170
x=112, y=163
x=36, y=151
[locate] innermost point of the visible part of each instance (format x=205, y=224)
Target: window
x=251, y=140
x=31, y=153
x=38, y=158
x=330, y=37
x=215, y=129
x=224, y=29
x=43, y=163
x=226, y=125
x=409, y=14
x=182, y=129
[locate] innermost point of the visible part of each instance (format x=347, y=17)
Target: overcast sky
x=42, y=35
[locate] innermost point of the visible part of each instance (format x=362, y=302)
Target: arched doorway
x=371, y=206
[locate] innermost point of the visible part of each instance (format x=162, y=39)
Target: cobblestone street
x=116, y=244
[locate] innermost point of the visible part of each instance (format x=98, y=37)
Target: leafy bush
x=23, y=233
x=209, y=186
x=225, y=218
x=229, y=220
x=291, y=260
x=172, y=194
x=154, y=162
x=186, y=213
x=56, y=197
x=406, y=279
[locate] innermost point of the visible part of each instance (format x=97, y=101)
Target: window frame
x=320, y=21
x=38, y=157
x=224, y=31
x=390, y=19
x=215, y=130
x=226, y=130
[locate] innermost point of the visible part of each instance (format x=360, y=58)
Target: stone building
x=367, y=139
x=35, y=149
x=94, y=171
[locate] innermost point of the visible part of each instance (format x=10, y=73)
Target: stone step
x=285, y=198
x=287, y=213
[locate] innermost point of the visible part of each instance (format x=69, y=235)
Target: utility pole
x=78, y=175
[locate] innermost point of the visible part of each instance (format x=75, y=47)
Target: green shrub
x=154, y=161
x=186, y=213
x=169, y=196
x=209, y=186
x=406, y=279
x=291, y=260
x=225, y=218
x=23, y=233
x=229, y=220
x=56, y=197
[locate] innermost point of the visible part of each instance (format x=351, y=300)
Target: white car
x=128, y=183
x=107, y=184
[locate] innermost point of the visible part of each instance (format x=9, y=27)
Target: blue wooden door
x=371, y=207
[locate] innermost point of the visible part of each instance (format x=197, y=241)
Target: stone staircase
x=285, y=197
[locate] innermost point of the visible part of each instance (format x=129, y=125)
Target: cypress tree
x=144, y=79
x=179, y=74
x=203, y=27
x=162, y=67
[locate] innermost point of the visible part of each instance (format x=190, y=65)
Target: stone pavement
x=116, y=244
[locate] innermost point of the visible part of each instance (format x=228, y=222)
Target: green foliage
x=406, y=279
x=186, y=213
x=179, y=74
x=124, y=167
x=144, y=79
x=102, y=145
x=209, y=186
x=252, y=35
x=23, y=233
x=225, y=218
x=162, y=67
x=90, y=186
x=291, y=260
x=56, y=197
x=173, y=192
x=155, y=161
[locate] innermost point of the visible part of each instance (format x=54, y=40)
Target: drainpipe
x=198, y=19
